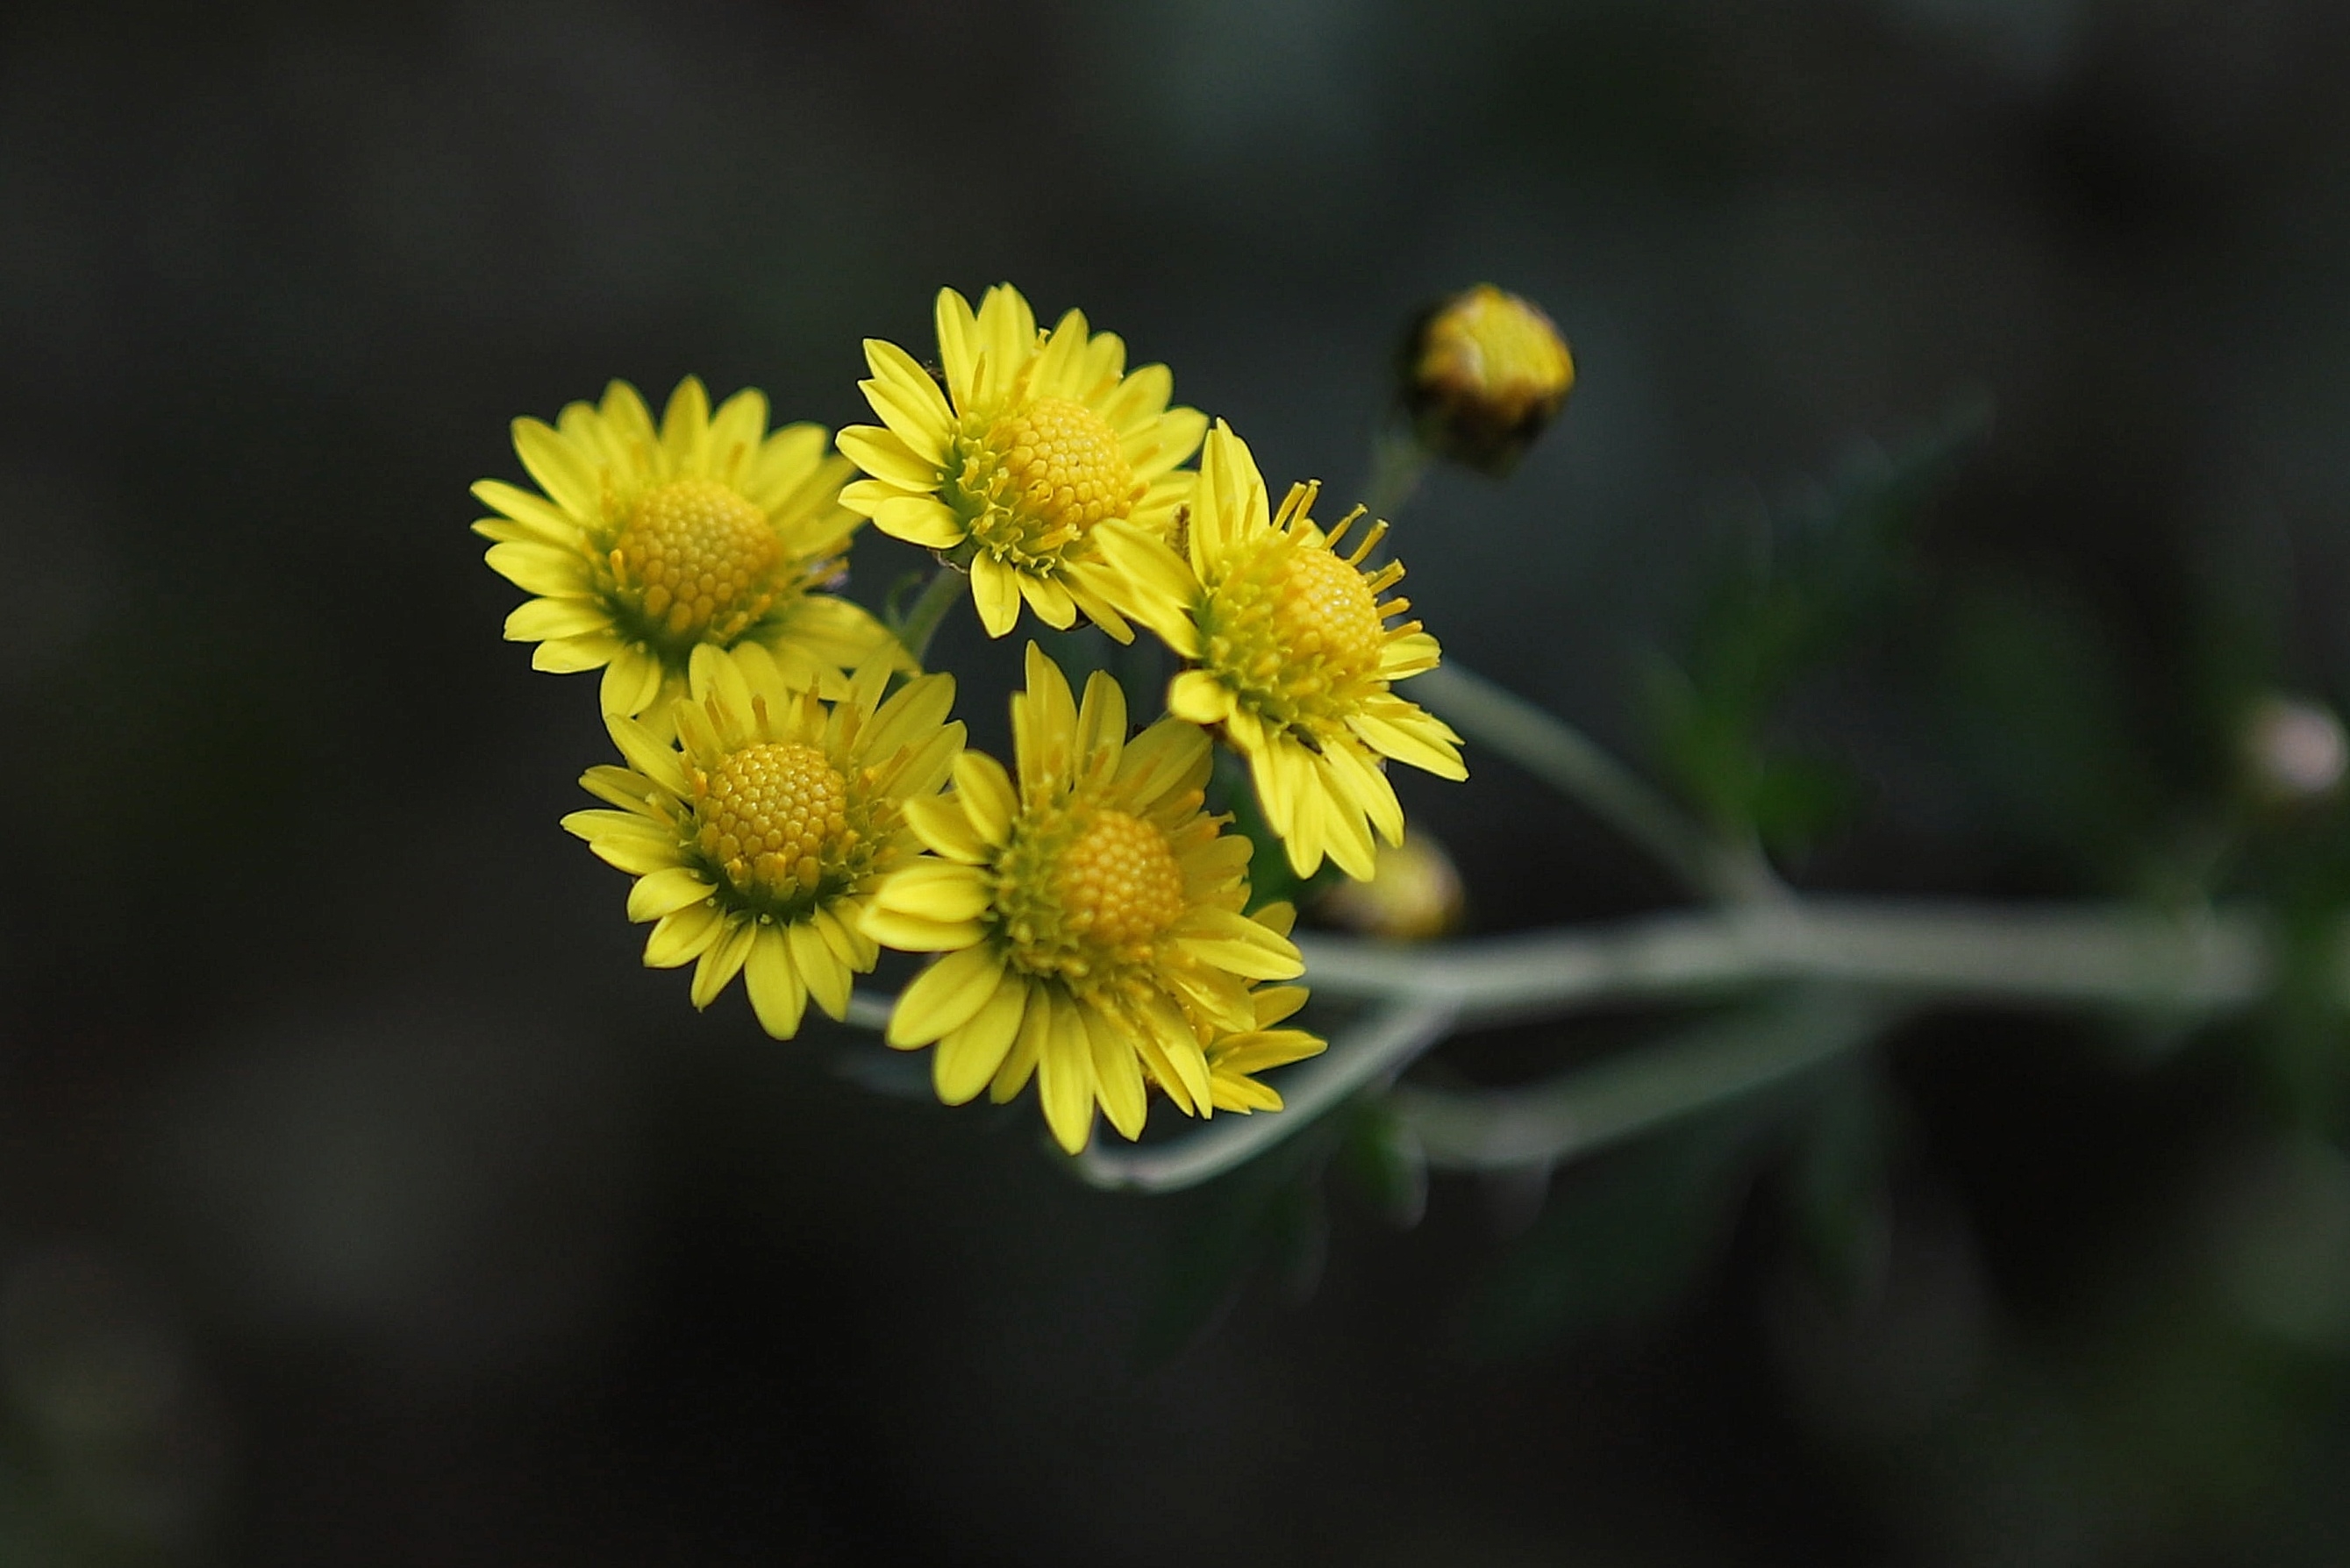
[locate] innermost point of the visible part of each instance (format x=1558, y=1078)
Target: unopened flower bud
x=2294, y=751
x=1484, y=372
x=1414, y=894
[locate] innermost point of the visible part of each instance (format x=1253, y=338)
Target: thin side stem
x=869, y=1010
x=923, y=619
x=1570, y=762
x=2117, y=956
x=1398, y=462
x=1707, y=1064
x=1380, y=1043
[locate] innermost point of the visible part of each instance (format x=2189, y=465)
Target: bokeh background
x=362, y=1200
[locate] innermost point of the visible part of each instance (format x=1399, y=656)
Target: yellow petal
x=968, y=1057
x=777, y=994
x=913, y=934
x=1118, y=1076
x=1027, y=1047
x=827, y=978
x=541, y=568
x=542, y=621
x=681, y=936
x=540, y=518
x=920, y=520
x=1405, y=746
x=570, y=480
x=940, y=891
x=880, y=452
x=632, y=680
x=985, y=791
x=958, y=345
x=1101, y=720
x=1179, y=1047
x=1064, y=1078
x=1238, y=944
x=940, y=821
x=685, y=427
x=570, y=655
x=720, y=961
x=666, y=891
x=1172, y=757
x=1200, y=697
x=996, y=590
x=945, y=996
x=1044, y=721
x=656, y=760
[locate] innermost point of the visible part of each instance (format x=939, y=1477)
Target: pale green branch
x=1704, y=1066
x=2118, y=956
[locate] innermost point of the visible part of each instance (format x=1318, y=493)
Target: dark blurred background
x=362, y=1200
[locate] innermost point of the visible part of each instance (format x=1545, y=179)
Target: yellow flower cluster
x=795, y=796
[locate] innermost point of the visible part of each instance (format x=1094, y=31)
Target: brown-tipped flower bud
x=2293, y=751
x=1484, y=372
x=1413, y=894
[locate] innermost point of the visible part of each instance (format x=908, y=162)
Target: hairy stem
x=923, y=619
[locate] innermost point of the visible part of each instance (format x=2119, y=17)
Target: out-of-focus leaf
x=1836, y=1189
x=1818, y=575
x=2041, y=709
x=1622, y=1240
x=1382, y=1156
x=1270, y=1209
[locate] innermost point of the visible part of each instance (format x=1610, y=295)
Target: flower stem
x=1398, y=462
x=1577, y=766
x=1867, y=961
x=2092, y=955
x=938, y=596
x=1692, y=1070
x=870, y=1008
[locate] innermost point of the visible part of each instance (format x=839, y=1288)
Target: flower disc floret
x=646, y=543
x=1089, y=916
x=758, y=832
x=696, y=559
x=1024, y=445
x=1291, y=654
x=772, y=818
x=1039, y=479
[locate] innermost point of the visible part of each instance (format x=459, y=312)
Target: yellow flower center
x=698, y=559
x=1086, y=895
x=1042, y=476
x=1297, y=632
x=773, y=816
x=1323, y=608
x=1119, y=884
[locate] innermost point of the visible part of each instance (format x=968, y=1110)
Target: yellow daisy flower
x=1234, y=1058
x=1291, y=654
x=649, y=543
x=1089, y=915
x=756, y=839
x=1036, y=440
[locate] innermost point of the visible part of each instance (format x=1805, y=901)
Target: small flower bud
x=1484, y=372
x=1414, y=894
x=2293, y=751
